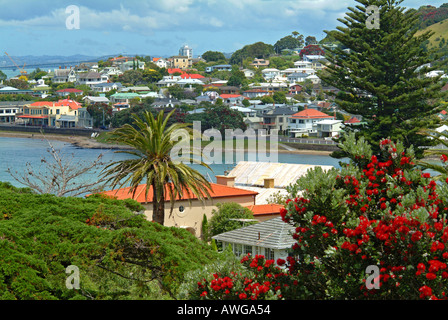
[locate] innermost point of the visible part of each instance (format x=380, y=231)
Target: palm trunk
x=158, y=208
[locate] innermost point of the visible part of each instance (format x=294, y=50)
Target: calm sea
x=16, y=153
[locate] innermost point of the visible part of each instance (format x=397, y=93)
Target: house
x=64, y=75
x=271, y=238
x=60, y=114
x=229, y=90
x=9, y=110
x=111, y=71
x=87, y=67
x=91, y=78
x=95, y=100
x=132, y=65
x=328, y=128
x=168, y=81
x=295, y=89
x=301, y=123
x=255, y=93
x=188, y=211
x=270, y=73
x=219, y=67
x=317, y=61
x=231, y=98
x=297, y=77
x=314, y=79
x=248, y=73
x=123, y=97
x=106, y=87
x=68, y=91
x=161, y=62
x=277, y=119
x=182, y=62
x=268, y=179
x=257, y=63
x=85, y=120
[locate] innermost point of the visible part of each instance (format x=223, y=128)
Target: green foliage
x=213, y=56
x=379, y=81
x=255, y=50
x=222, y=219
x=119, y=253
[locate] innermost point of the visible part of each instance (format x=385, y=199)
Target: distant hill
x=440, y=37
x=430, y=15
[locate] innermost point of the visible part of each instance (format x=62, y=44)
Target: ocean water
x=18, y=154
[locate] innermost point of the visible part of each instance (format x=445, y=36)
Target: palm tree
x=151, y=142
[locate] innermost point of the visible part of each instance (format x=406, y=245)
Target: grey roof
x=281, y=111
x=273, y=233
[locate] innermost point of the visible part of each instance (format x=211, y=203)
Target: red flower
x=431, y=276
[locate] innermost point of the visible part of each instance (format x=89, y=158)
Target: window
x=269, y=255
x=237, y=249
x=247, y=249
x=57, y=111
x=181, y=209
x=301, y=121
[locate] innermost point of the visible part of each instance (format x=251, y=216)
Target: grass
x=440, y=30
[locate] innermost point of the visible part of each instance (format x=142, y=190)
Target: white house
x=271, y=238
x=328, y=128
x=161, y=62
x=302, y=123
x=270, y=73
x=91, y=79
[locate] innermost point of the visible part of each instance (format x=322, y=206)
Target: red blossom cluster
x=386, y=227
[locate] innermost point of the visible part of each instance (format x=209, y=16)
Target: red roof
x=65, y=102
x=352, y=120
x=263, y=209
x=174, y=70
x=191, y=76
x=217, y=191
x=311, y=114
x=443, y=112
x=228, y=95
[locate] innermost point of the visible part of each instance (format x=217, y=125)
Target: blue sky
x=161, y=27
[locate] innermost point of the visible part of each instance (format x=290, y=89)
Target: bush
x=378, y=212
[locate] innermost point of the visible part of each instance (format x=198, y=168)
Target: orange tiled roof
x=262, y=209
x=217, y=191
x=65, y=102
x=311, y=114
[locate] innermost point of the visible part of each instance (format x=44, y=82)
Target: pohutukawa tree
x=382, y=75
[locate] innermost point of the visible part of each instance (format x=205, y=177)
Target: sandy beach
x=89, y=143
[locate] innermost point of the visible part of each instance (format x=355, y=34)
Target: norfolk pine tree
x=382, y=75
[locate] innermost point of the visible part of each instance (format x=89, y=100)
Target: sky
x=161, y=27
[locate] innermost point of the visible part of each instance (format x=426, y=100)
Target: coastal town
x=290, y=98
x=147, y=227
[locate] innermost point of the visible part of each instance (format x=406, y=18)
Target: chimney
x=225, y=181
x=269, y=183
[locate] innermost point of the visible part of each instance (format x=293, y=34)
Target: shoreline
x=89, y=143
